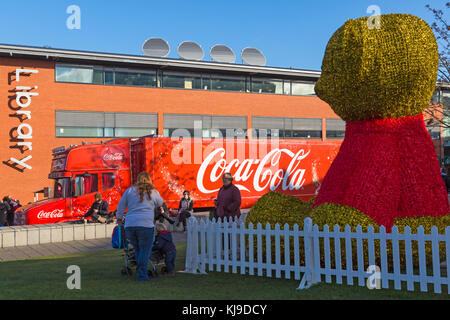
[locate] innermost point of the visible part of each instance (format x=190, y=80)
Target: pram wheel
x=153, y=273
x=126, y=272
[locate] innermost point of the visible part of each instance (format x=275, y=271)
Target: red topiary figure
x=379, y=81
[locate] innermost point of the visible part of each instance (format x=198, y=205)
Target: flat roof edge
x=136, y=59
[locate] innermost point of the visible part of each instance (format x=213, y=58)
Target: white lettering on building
x=23, y=99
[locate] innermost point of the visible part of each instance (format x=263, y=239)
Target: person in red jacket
x=228, y=202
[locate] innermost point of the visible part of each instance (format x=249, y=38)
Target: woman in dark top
x=185, y=208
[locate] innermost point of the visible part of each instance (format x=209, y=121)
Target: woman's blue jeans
x=142, y=240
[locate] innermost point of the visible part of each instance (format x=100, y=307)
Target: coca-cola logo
x=263, y=173
x=113, y=157
x=57, y=213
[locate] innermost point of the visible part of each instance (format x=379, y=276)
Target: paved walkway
x=64, y=248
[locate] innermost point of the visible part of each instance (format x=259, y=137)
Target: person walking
x=185, y=208
x=228, y=202
x=141, y=200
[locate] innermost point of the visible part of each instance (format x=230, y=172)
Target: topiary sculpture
x=379, y=81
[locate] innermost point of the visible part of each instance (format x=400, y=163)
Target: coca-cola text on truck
x=293, y=167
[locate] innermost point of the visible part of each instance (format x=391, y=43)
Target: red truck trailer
x=294, y=167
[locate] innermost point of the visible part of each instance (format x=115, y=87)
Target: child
x=164, y=244
x=185, y=208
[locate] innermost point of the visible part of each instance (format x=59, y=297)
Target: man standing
x=228, y=202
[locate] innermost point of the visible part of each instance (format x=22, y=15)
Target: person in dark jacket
x=99, y=210
x=164, y=245
x=9, y=204
x=228, y=202
x=3, y=211
x=185, y=208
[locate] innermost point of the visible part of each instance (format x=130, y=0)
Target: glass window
x=181, y=81
x=216, y=133
x=133, y=132
x=206, y=133
x=267, y=86
x=109, y=132
x=135, y=79
x=303, y=89
x=268, y=133
x=286, y=133
x=85, y=184
x=179, y=132
x=206, y=82
x=286, y=87
x=74, y=74
x=335, y=128
x=109, y=77
x=307, y=134
x=108, y=180
x=62, y=188
x=434, y=131
x=228, y=83
x=79, y=132
x=98, y=77
x=337, y=134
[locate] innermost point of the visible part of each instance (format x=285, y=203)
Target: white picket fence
x=228, y=244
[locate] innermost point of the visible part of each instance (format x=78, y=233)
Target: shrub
x=332, y=214
x=273, y=208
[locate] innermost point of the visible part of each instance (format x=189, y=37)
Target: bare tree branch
x=441, y=28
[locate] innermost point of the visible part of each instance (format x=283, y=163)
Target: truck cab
x=78, y=173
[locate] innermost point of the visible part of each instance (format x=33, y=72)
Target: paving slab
x=64, y=248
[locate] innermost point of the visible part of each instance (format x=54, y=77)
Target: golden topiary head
x=370, y=73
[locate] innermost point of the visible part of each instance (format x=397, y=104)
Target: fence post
x=190, y=267
x=309, y=278
x=202, y=256
x=211, y=243
x=435, y=259
x=447, y=256
x=242, y=248
x=408, y=259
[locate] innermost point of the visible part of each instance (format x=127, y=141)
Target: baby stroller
x=130, y=260
x=155, y=257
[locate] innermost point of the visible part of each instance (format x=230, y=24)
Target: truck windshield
x=62, y=188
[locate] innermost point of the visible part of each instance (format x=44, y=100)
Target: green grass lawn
x=45, y=278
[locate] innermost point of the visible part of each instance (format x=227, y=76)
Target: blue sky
x=290, y=33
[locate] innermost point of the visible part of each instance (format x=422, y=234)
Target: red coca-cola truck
x=289, y=166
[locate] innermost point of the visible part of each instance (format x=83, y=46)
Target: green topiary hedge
x=273, y=208
x=332, y=214
x=279, y=208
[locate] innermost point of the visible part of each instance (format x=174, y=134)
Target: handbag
x=118, y=237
